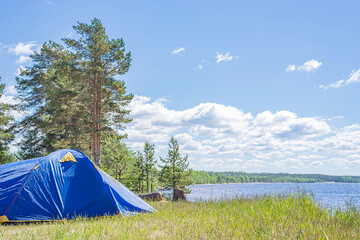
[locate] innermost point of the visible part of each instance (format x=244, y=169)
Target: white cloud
x=49, y=2
x=309, y=66
x=335, y=118
x=11, y=100
x=316, y=163
x=23, y=59
x=338, y=161
x=356, y=161
x=223, y=57
x=187, y=142
x=337, y=84
x=19, y=69
x=354, y=156
x=199, y=67
x=311, y=156
x=237, y=140
x=285, y=124
x=255, y=163
x=291, y=68
x=236, y=160
x=353, y=78
x=3, y=48
x=8, y=99
x=22, y=48
x=177, y=51
x=211, y=161
x=286, y=163
x=11, y=90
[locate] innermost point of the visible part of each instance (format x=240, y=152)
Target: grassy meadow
x=266, y=217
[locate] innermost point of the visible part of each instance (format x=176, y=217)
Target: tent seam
x=113, y=198
x=30, y=173
x=127, y=191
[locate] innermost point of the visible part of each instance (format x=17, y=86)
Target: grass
x=267, y=217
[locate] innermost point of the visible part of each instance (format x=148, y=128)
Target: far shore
x=204, y=184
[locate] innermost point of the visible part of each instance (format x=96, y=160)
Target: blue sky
x=258, y=86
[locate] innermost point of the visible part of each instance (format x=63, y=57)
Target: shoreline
x=204, y=184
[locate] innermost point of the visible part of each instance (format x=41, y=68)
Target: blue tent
x=62, y=185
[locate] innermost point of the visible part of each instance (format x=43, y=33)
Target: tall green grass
x=267, y=217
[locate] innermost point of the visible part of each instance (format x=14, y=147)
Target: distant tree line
x=205, y=177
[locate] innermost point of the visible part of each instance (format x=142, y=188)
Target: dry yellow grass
x=268, y=217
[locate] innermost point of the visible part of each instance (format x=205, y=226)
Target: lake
x=327, y=194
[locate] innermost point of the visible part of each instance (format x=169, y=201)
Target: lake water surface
x=327, y=194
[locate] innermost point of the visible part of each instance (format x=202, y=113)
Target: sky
x=255, y=86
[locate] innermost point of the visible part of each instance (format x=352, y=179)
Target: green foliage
x=6, y=157
x=50, y=90
x=268, y=217
x=138, y=172
x=175, y=172
x=133, y=169
x=101, y=60
x=204, y=177
x=5, y=135
x=74, y=93
x=117, y=158
x=149, y=165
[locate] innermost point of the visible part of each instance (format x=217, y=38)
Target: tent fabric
x=62, y=185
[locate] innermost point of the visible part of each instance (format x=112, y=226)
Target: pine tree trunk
x=174, y=181
x=93, y=134
x=174, y=186
x=151, y=183
x=98, y=128
x=96, y=115
x=147, y=182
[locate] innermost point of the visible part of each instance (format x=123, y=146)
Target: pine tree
x=138, y=172
x=175, y=173
x=102, y=60
x=53, y=90
x=5, y=135
x=74, y=92
x=117, y=158
x=149, y=163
